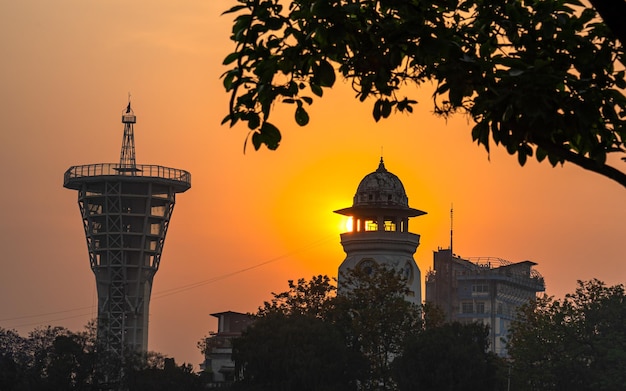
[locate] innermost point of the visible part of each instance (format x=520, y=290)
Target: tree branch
x=584, y=162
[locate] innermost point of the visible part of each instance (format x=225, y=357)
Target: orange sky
x=66, y=70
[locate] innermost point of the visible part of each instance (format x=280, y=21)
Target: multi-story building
x=486, y=290
x=219, y=346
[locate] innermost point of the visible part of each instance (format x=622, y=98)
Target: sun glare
x=347, y=224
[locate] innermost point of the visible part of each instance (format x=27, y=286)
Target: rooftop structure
x=126, y=210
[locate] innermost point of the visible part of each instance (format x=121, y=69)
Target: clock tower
x=380, y=218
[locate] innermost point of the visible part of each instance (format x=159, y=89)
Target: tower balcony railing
x=115, y=169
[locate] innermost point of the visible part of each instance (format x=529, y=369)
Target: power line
x=171, y=291
x=54, y=320
x=45, y=314
x=183, y=288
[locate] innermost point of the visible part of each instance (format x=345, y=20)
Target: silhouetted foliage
x=309, y=298
x=12, y=359
x=309, y=338
x=168, y=377
x=50, y=358
x=451, y=356
x=294, y=352
x=57, y=359
x=541, y=77
x=367, y=337
x=377, y=319
x=577, y=343
x=293, y=345
x=433, y=315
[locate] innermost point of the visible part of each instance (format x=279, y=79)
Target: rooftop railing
x=115, y=169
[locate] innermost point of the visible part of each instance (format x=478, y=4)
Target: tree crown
x=541, y=78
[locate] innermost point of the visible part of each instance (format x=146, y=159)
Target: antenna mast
x=127, y=156
x=451, y=226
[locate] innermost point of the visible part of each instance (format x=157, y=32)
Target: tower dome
x=380, y=191
x=381, y=188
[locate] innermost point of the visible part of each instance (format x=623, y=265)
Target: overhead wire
x=167, y=292
x=173, y=291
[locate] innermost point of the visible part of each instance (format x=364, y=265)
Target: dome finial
x=381, y=166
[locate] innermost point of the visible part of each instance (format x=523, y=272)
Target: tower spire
x=127, y=155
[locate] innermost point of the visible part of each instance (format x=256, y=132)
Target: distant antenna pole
x=451, y=225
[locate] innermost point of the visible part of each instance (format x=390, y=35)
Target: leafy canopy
x=55, y=358
x=577, y=343
x=309, y=298
x=450, y=356
x=371, y=306
x=294, y=345
x=542, y=78
x=362, y=336
x=316, y=336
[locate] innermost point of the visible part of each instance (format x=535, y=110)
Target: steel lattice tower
x=126, y=210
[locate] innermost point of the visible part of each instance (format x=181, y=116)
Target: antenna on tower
x=451, y=226
x=127, y=155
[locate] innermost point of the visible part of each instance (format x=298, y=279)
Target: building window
x=467, y=308
x=480, y=288
x=390, y=225
x=371, y=225
x=480, y=307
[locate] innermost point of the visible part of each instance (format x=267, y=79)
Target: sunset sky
x=252, y=221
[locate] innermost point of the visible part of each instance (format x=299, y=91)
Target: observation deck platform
x=75, y=176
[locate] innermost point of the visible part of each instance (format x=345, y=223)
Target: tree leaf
x=386, y=108
x=541, y=154
x=316, y=89
x=234, y=9
x=302, y=117
x=231, y=58
x=269, y=135
x=253, y=121
x=325, y=74
x=377, y=110
x=521, y=157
